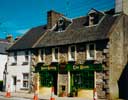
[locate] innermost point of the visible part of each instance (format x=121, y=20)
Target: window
x=46, y=78
x=55, y=54
x=83, y=79
x=26, y=55
x=42, y=55
x=25, y=80
x=15, y=57
x=93, y=19
x=60, y=25
x=91, y=52
x=72, y=53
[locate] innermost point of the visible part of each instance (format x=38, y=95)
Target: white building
x=19, y=60
x=3, y=59
x=18, y=69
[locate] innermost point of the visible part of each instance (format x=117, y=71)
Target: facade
x=4, y=44
x=75, y=56
x=19, y=60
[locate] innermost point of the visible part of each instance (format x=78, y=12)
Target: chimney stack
x=52, y=18
x=9, y=38
x=121, y=6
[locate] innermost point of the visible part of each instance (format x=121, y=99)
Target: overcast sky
x=18, y=16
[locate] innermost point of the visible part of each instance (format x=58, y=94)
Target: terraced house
x=4, y=44
x=77, y=55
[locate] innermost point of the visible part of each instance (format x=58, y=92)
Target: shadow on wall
x=123, y=84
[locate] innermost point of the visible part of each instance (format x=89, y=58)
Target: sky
x=19, y=16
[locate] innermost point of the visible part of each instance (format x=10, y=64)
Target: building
x=19, y=60
x=75, y=55
x=4, y=44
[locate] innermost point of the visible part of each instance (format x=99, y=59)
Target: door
x=14, y=78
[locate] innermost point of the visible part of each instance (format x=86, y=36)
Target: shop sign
x=84, y=67
x=48, y=68
x=75, y=67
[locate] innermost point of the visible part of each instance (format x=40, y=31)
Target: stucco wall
x=17, y=70
x=3, y=60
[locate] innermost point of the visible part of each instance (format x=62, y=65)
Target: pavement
x=29, y=96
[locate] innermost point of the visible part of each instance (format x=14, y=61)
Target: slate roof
x=29, y=39
x=77, y=32
x=3, y=46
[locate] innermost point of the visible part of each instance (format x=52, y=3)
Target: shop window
x=46, y=79
x=55, y=54
x=91, y=52
x=83, y=79
x=72, y=53
x=25, y=80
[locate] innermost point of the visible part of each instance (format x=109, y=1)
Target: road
x=12, y=98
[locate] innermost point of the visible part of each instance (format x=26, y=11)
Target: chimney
x=121, y=6
x=52, y=18
x=9, y=38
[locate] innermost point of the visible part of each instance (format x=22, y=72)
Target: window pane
x=83, y=79
x=73, y=52
x=91, y=50
x=15, y=56
x=26, y=55
x=56, y=53
x=25, y=76
x=42, y=54
x=25, y=84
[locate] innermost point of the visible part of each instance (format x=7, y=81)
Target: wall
x=102, y=50
x=116, y=58
x=3, y=60
x=17, y=70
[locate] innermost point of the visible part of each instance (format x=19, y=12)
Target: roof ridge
x=40, y=39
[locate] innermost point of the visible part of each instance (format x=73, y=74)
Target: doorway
x=14, y=82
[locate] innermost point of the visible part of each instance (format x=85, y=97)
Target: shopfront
x=67, y=79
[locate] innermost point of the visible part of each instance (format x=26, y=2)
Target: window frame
x=88, y=50
x=15, y=57
x=26, y=56
x=42, y=55
x=26, y=80
x=69, y=53
x=53, y=55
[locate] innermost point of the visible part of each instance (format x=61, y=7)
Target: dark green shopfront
x=68, y=78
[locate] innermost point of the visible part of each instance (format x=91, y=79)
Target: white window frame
x=26, y=56
x=88, y=57
x=53, y=55
x=40, y=55
x=15, y=56
x=69, y=53
x=25, y=80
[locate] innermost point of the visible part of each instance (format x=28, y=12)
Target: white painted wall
x=17, y=70
x=3, y=60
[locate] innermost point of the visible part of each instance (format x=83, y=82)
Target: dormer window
x=55, y=54
x=93, y=19
x=60, y=25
